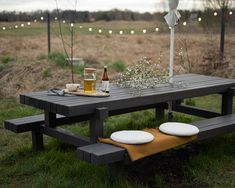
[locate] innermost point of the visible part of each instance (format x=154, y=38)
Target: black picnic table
x=60, y=110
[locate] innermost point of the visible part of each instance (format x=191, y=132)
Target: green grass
x=119, y=66
x=6, y=59
x=58, y=59
x=207, y=164
x=46, y=73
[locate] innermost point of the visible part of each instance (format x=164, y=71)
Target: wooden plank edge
x=88, y=154
x=65, y=136
x=196, y=111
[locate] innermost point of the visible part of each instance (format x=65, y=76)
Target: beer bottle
x=105, y=81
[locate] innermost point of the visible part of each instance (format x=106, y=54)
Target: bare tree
x=223, y=6
x=68, y=46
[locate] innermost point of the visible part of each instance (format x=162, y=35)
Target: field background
x=25, y=67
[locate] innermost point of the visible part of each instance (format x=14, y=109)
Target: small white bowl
x=72, y=87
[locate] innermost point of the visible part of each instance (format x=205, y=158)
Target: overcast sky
x=95, y=5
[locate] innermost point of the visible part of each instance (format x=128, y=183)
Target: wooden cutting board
x=82, y=93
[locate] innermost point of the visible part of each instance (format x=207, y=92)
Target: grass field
x=206, y=164
x=24, y=67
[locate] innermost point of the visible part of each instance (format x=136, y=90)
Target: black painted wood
x=50, y=119
x=65, y=136
x=100, y=153
x=97, y=124
x=37, y=141
x=121, y=99
x=24, y=124
x=196, y=111
x=160, y=112
x=30, y=123
x=227, y=103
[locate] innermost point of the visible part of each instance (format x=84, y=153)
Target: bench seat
x=100, y=153
x=26, y=124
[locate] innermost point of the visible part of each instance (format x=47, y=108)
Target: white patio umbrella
x=172, y=19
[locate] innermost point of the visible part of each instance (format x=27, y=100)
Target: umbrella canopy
x=172, y=19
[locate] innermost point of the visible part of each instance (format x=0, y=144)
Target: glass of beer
x=89, y=80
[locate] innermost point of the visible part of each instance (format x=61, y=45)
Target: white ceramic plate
x=178, y=129
x=132, y=137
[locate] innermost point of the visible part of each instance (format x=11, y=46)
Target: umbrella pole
x=171, y=71
x=172, y=55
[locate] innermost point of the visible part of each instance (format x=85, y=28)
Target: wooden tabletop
x=192, y=85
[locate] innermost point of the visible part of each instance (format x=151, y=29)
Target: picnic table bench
x=60, y=110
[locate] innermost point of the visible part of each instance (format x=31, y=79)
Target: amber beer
x=89, y=85
x=89, y=80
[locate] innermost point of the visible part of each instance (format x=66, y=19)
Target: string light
x=121, y=32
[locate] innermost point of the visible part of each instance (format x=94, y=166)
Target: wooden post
x=159, y=113
x=227, y=103
x=97, y=124
x=49, y=32
x=50, y=119
x=222, y=34
x=37, y=141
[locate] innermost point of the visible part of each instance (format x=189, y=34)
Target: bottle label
x=105, y=86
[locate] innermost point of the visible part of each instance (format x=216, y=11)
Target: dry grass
x=25, y=74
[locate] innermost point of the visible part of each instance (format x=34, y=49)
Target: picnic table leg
x=159, y=113
x=97, y=123
x=50, y=119
x=37, y=137
x=37, y=141
x=227, y=103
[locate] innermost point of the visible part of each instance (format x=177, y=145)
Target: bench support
x=227, y=103
x=50, y=119
x=159, y=113
x=97, y=124
x=37, y=141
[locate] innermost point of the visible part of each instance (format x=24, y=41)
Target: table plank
x=121, y=98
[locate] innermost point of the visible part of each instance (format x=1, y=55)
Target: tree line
x=85, y=16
